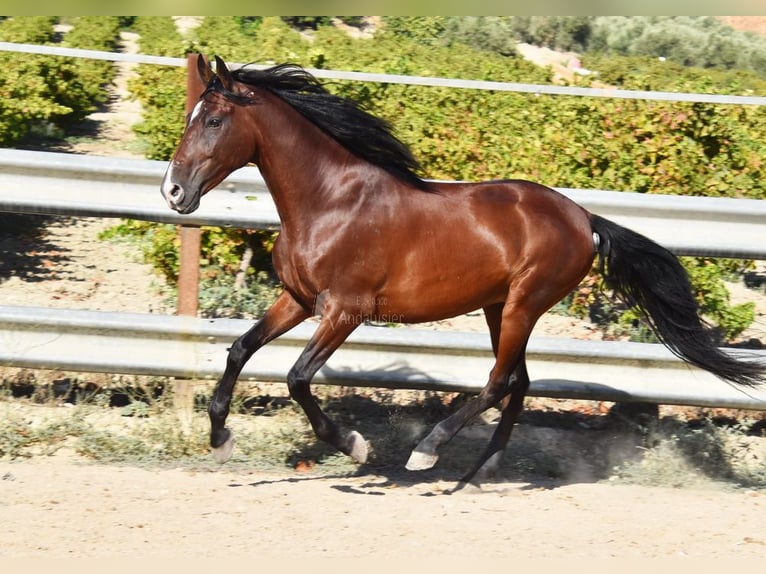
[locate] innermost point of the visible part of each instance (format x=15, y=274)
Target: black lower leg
x=218, y=409
x=425, y=453
x=489, y=462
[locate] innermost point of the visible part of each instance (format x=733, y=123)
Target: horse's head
x=214, y=143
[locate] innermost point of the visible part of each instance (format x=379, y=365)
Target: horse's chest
x=302, y=267
x=310, y=267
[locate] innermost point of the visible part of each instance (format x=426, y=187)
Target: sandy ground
x=59, y=508
x=63, y=506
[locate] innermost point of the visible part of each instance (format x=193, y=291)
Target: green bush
x=160, y=89
x=222, y=252
x=701, y=41
x=28, y=30
x=226, y=37
x=563, y=141
x=52, y=92
x=79, y=83
x=25, y=96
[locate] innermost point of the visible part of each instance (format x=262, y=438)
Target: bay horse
x=364, y=237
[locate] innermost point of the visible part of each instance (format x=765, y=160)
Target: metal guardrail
x=55, y=183
x=384, y=357
x=59, y=183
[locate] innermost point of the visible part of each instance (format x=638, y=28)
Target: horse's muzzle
x=177, y=198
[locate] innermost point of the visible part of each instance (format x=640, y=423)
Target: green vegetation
x=49, y=93
x=160, y=89
x=598, y=143
x=692, y=41
x=649, y=147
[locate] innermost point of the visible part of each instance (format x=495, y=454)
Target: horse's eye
x=214, y=123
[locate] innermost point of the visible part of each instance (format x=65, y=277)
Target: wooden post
x=188, y=272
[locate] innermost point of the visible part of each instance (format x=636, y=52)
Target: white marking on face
x=169, y=173
x=167, y=182
x=195, y=112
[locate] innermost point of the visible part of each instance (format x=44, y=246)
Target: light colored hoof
x=421, y=461
x=222, y=453
x=359, y=450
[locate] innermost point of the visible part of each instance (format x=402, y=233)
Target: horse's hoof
x=222, y=453
x=358, y=450
x=421, y=461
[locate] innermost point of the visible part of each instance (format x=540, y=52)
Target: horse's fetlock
x=296, y=384
x=219, y=437
x=218, y=410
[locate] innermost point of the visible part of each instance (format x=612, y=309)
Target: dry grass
x=554, y=441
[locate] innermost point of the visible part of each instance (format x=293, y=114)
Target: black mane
x=366, y=136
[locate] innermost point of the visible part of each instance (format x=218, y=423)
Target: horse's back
x=520, y=202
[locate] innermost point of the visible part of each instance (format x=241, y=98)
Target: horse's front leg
x=333, y=329
x=284, y=314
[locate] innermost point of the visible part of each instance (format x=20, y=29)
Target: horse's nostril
x=173, y=193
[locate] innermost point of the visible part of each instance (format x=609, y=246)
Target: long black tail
x=648, y=276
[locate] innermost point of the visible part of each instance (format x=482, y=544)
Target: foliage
x=81, y=83
x=28, y=29
x=679, y=455
x=222, y=251
x=51, y=92
x=274, y=42
x=219, y=297
x=557, y=32
x=307, y=22
x=488, y=33
x=273, y=433
x=18, y=438
x=562, y=141
x=707, y=276
x=249, y=24
x=224, y=36
x=160, y=89
x=713, y=298
x=425, y=30
x=158, y=244
x=701, y=41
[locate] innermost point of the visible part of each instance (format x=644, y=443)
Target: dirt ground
x=65, y=506
x=62, y=508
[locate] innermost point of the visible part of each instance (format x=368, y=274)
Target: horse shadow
x=547, y=449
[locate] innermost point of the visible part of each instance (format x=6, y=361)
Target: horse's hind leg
x=516, y=325
x=512, y=405
x=283, y=315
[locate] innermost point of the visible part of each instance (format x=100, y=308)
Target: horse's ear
x=204, y=70
x=223, y=74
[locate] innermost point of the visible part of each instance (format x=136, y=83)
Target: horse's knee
x=239, y=352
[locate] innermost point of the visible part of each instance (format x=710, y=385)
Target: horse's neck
x=300, y=165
